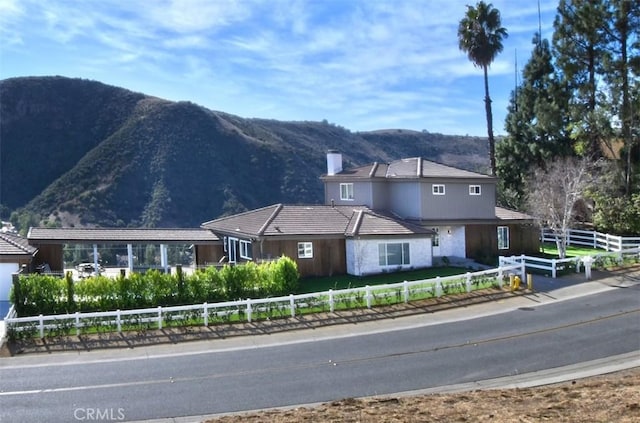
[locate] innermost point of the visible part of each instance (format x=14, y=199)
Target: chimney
x=334, y=162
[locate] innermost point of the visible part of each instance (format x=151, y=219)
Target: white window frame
x=475, y=190
x=503, y=237
x=436, y=238
x=305, y=250
x=245, y=249
x=346, y=191
x=438, y=189
x=405, y=259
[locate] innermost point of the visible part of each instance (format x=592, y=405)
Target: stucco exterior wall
x=452, y=241
x=456, y=203
x=362, y=255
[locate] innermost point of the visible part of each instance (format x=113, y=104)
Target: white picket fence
x=593, y=239
x=554, y=265
x=245, y=309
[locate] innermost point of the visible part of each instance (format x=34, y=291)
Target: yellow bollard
x=511, y=281
x=530, y=281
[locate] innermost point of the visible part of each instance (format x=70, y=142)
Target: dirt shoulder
x=608, y=398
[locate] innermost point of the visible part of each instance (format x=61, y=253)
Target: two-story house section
x=459, y=205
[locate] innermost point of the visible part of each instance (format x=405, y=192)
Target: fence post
x=468, y=282
x=595, y=240
x=77, y=323
x=249, y=310
x=292, y=305
x=331, y=301
x=523, y=262
x=159, y=317
x=405, y=290
x=206, y=314
x=118, y=321
x=368, y=295
x=438, y=287
x=578, y=261
x=41, y=326
x=553, y=268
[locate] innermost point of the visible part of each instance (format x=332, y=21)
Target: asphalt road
x=187, y=382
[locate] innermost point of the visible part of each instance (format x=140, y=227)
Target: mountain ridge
x=105, y=156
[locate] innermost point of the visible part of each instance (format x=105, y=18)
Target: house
x=458, y=205
x=14, y=253
x=325, y=239
x=382, y=217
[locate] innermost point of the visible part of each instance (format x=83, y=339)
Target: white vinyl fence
x=555, y=265
x=593, y=239
x=245, y=310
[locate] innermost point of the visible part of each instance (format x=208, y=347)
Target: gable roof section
x=410, y=168
x=119, y=235
x=506, y=214
x=281, y=220
x=15, y=245
x=370, y=223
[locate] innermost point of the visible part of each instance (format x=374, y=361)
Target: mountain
x=81, y=153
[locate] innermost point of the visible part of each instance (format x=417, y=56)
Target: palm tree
x=480, y=35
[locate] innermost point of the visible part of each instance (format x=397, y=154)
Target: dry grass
x=613, y=398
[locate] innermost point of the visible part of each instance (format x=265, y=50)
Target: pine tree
x=536, y=124
x=579, y=44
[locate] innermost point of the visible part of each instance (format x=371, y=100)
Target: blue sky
x=361, y=64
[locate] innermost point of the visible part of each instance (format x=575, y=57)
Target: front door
x=232, y=249
x=436, y=242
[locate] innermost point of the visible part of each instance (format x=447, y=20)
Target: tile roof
x=14, y=244
x=506, y=214
x=367, y=222
x=413, y=167
x=120, y=235
x=281, y=220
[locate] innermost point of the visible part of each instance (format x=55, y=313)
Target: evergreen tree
x=622, y=62
x=536, y=124
x=579, y=44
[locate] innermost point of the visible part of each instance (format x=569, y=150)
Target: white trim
x=307, y=250
x=437, y=189
x=347, y=194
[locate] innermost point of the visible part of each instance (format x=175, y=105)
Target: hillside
x=81, y=153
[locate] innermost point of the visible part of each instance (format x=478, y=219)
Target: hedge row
x=45, y=294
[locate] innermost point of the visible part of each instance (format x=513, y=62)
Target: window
x=305, y=250
x=474, y=190
x=503, y=237
x=393, y=254
x=245, y=249
x=436, y=237
x=224, y=244
x=346, y=191
x=438, y=189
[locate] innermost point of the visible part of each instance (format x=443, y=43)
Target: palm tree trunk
x=487, y=105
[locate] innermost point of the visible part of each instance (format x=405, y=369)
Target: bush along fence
x=47, y=294
x=593, y=239
x=553, y=266
x=250, y=310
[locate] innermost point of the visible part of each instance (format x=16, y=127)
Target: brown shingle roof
x=120, y=235
x=506, y=214
x=413, y=167
x=367, y=222
x=14, y=244
x=311, y=220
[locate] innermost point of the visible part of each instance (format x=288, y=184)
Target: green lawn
x=308, y=285
x=550, y=250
